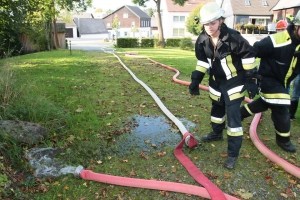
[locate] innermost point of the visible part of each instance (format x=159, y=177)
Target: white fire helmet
x=210, y=12
x=297, y=19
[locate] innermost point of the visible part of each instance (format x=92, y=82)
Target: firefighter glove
x=196, y=78
x=251, y=87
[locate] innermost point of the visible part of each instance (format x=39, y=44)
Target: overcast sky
x=115, y=4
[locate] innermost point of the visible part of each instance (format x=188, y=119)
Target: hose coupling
x=78, y=171
x=187, y=139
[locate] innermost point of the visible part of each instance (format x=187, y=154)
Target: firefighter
x=230, y=59
x=295, y=97
x=279, y=64
x=281, y=25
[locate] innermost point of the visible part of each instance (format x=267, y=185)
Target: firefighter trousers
x=279, y=115
x=234, y=125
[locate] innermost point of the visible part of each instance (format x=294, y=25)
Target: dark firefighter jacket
x=226, y=63
x=279, y=65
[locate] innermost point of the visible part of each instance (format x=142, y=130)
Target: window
x=125, y=15
x=178, y=18
x=108, y=25
x=264, y=3
x=247, y=2
x=132, y=24
x=178, y=31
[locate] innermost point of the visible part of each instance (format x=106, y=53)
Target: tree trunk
x=161, y=40
x=55, y=34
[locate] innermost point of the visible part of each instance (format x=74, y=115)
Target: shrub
x=127, y=42
x=173, y=42
x=147, y=42
x=187, y=44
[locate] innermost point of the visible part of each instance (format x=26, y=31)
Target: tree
x=116, y=25
x=150, y=12
x=56, y=6
x=192, y=25
x=161, y=40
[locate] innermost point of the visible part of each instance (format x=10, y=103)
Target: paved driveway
x=89, y=45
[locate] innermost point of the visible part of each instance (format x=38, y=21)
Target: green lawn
x=88, y=102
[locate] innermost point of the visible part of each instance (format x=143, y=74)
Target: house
x=174, y=17
x=284, y=8
x=91, y=28
x=248, y=11
x=132, y=21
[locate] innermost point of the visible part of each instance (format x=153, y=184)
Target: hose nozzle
x=78, y=171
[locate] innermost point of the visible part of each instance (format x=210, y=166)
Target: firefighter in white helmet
x=230, y=60
x=279, y=64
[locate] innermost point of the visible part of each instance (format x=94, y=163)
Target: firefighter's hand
x=194, y=87
x=251, y=87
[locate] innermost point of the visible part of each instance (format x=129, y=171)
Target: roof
x=90, y=26
x=136, y=10
x=187, y=7
x=283, y=4
x=68, y=24
x=256, y=7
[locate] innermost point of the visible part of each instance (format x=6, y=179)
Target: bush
x=173, y=42
x=127, y=42
x=187, y=44
x=147, y=42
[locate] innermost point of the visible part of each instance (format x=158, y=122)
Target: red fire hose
x=210, y=190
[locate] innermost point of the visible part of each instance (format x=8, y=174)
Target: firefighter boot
x=293, y=109
x=285, y=143
x=230, y=162
x=212, y=136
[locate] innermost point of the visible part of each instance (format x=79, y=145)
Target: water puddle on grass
x=151, y=133
x=148, y=133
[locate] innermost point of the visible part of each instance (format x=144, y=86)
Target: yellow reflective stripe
x=240, y=133
x=292, y=67
x=217, y=120
x=278, y=98
x=201, y=69
x=228, y=67
x=281, y=39
x=235, y=93
x=237, y=96
x=248, y=63
x=215, y=95
x=283, y=134
x=248, y=109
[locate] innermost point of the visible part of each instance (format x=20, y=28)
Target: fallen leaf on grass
x=99, y=162
x=132, y=173
x=161, y=153
x=226, y=175
x=223, y=155
x=244, y=194
x=268, y=178
x=79, y=110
